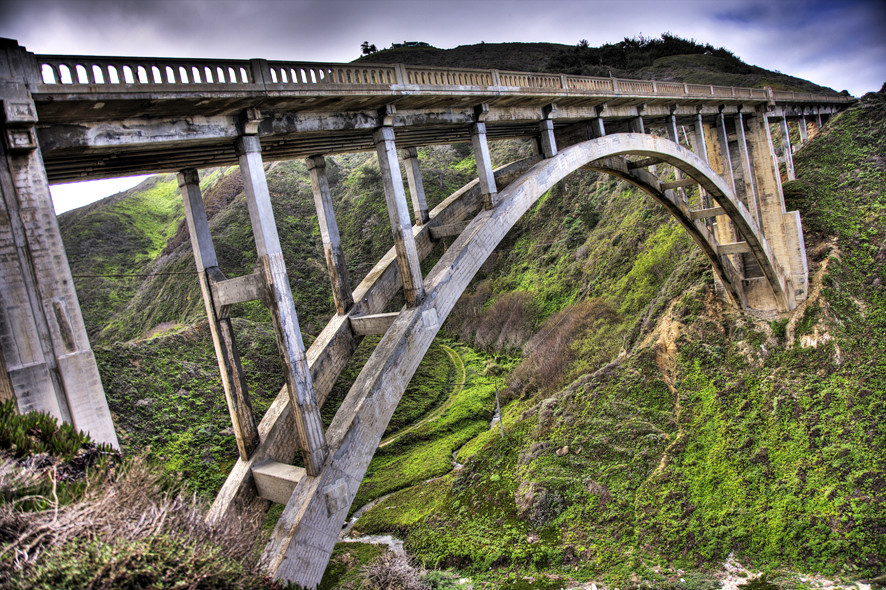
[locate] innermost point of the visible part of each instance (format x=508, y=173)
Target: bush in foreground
x=124, y=526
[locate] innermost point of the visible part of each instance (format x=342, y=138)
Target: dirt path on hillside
x=434, y=414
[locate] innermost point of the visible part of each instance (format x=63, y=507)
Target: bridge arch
x=308, y=529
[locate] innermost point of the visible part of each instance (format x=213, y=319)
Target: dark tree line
x=629, y=54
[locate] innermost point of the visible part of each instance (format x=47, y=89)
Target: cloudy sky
x=841, y=44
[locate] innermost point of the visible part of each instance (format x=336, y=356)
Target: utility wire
x=151, y=274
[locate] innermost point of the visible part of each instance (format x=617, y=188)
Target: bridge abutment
x=782, y=229
x=46, y=359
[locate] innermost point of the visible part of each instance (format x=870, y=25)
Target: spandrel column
x=226, y=353
x=484, y=165
x=747, y=171
x=398, y=212
x=416, y=186
x=305, y=409
x=335, y=257
x=674, y=136
x=786, y=148
x=547, y=140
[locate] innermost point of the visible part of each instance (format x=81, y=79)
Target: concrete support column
x=416, y=186
x=674, y=136
x=700, y=147
x=398, y=213
x=818, y=122
x=548, y=143
x=671, y=125
x=598, y=129
x=722, y=140
x=636, y=125
x=718, y=159
x=233, y=379
x=484, y=165
x=769, y=180
x=786, y=148
x=305, y=410
x=46, y=359
x=783, y=230
x=747, y=171
x=804, y=130
x=812, y=127
x=335, y=257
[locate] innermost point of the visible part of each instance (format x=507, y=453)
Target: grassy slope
x=717, y=432
x=163, y=383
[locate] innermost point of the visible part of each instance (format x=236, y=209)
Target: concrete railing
x=76, y=74
x=303, y=75
x=68, y=73
x=448, y=77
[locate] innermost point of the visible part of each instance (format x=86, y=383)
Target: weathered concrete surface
x=484, y=164
x=305, y=409
x=782, y=228
x=45, y=356
x=398, y=213
x=416, y=186
x=209, y=112
x=372, y=325
x=218, y=295
x=335, y=257
x=134, y=117
x=276, y=481
x=308, y=529
x=334, y=346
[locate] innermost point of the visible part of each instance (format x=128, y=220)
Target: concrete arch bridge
x=706, y=153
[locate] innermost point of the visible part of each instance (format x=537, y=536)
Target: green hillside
x=650, y=430
x=657, y=429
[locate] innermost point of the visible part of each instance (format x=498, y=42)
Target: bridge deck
x=109, y=116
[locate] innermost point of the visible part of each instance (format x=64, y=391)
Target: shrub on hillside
x=507, y=323
x=134, y=530
x=393, y=572
x=69, y=520
x=43, y=462
x=551, y=352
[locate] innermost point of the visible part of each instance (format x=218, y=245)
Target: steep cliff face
x=647, y=425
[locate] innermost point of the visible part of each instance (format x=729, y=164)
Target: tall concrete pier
x=46, y=362
x=705, y=153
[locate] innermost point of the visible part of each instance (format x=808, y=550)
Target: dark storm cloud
x=838, y=44
x=842, y=45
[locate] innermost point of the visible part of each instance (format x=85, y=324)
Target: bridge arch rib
x=307, y=531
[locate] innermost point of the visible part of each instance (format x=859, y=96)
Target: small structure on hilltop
x=410, y=44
